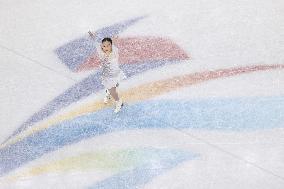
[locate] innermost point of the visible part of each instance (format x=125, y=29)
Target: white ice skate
x=118, y=105
x=107, y=97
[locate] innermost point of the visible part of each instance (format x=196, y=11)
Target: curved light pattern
x=72, y=55
x=141, y=175
x=83, y=89
x=114, y=161
x=137, y=61
x=140, y=49
x=78, y=51
x=148, y=91
x=163, y=114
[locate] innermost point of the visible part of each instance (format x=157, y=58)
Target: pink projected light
x=139, y=50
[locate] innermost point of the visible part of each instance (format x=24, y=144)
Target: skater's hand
x=115, y=39
x=91, y=34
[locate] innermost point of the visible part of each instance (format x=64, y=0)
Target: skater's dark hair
x=107, y=39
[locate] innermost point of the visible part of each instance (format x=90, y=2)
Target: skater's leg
x=107, y=96
x=118, y=102
x=114, y=94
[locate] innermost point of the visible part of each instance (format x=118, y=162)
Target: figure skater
x=111, y=73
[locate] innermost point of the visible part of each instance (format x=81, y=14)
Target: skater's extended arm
x=114, y=39
x=98, y=46
x=93, y=36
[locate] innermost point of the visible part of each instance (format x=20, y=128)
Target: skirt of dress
x=112, y=81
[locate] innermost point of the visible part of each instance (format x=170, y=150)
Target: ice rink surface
x=204, y=95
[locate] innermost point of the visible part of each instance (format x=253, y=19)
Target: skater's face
x=106, y=47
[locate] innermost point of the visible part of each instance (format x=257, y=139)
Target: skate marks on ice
x=95, y=119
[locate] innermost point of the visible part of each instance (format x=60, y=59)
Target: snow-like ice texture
x=204, y=94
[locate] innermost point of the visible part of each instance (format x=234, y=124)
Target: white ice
x=217, y=34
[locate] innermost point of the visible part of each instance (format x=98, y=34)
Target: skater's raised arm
x=115, y=39
x=98, y=46
x=105, y=49
x=91, y=34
